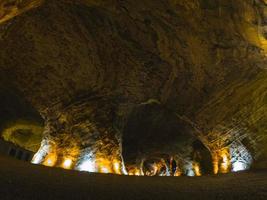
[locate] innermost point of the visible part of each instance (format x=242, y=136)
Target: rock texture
x=19, y=122
x=12, y=8
x=89, y=66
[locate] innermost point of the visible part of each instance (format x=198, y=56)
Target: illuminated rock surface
x=19, y=122
x=88, y=67
x=12, y=8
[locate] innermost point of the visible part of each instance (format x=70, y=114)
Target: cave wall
x=86, y=65
x=20, y=123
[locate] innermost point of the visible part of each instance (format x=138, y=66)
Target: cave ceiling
x=139, y=79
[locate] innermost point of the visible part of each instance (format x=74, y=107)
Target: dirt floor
x=19, y=180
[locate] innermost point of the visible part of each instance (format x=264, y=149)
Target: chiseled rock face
x=87, y=66
x=12, y=8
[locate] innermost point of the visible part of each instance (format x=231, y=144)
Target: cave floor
x=19, y=180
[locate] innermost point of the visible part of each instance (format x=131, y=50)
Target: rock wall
x=86, y=66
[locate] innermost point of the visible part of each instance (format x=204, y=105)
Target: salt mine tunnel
x=135, y=88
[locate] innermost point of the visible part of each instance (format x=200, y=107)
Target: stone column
x=81, y=136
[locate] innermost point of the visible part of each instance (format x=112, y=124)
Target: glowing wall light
x=221, y=161
x=215, y=163
x=225, y=164
x=238, y=166
x=50, y=160
x=104, y=165
x=197, y=169
x=134, y=171
x=236, y=157
x=67, y=163
x=86, y=161
x=189, y=170
x=105, y=170
x=177, y=172
x=41, y=153
x=116, y=167
x=137, y=173
x=87, y=165
x=240, y=157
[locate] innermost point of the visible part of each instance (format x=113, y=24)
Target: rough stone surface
x=205, y=60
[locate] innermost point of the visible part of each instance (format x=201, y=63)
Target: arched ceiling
x=205, y=60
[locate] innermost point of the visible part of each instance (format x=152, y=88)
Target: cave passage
x=141, y=88
x=229, y=159
x=102, y=154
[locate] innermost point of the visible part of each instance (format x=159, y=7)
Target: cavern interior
x=133, y=99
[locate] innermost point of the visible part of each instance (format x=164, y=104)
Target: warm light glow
x=105, y=170
x=215, y=164
x=51, y=160
x=137, y=173
x=225, y=164
x=155, y=169
x=236, y=157
x=67, y=164
x=177, y=172
x=221, y=161
x=100, y=164
x=197, y=169
x=116, y=167
x=104, y=165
